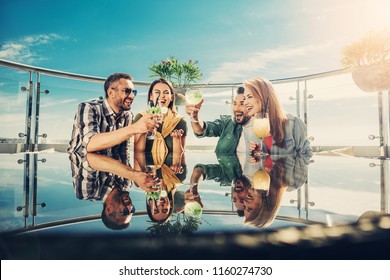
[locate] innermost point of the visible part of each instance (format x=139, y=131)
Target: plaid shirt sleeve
x=85, y=179
x=86, y=125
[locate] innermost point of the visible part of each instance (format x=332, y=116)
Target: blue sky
x=232, y=41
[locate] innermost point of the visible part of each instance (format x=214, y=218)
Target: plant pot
x=372, y=78
x=178, y=100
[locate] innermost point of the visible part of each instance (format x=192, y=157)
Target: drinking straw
x=158, y=97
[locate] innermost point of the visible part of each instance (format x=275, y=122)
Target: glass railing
x=38, y=106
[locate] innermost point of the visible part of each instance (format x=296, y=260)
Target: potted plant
x=181, y=75
x=370, y=59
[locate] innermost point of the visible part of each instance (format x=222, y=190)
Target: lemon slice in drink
x=193, y=209
x=194, y=97
x=164, y=110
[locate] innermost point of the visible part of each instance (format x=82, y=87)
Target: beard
x=242, y=120
x=123, y=104
x=118, y=198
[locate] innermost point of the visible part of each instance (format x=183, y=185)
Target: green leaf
x=179, y=74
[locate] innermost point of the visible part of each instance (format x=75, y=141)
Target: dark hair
x=170, y=212
x=110, y=224
x=240, y=90
x=245, y=181
x=164, y=81
x=113, y=78
x=240, y=213
x=247, y=185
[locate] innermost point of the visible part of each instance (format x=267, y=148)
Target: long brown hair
x=263, y=90
x=170, y=212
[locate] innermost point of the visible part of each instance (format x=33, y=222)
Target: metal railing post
x=307, y=199
x=37, y=106
x=305, y=105
x=26, y=188
x=29, y=106
x=35, y=189
x=298, y=99
x=385, y=182
x=386, y=123
x=383, y=127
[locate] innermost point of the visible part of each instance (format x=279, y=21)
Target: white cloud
x=25, y=49
x=15, y=52
x=126, y=47
x=12, y=119
x=13, y=103
x=42, y=39
x=130, y=47
x=254, y=63
x=53, y=102
x=218, y=93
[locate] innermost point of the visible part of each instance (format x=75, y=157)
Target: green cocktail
x=194, y=97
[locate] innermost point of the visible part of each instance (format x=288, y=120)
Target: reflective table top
x=280, y=201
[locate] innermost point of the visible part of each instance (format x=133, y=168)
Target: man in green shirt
x=228, y=129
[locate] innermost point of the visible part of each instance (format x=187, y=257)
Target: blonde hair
x=263, y=91
x=264, y=215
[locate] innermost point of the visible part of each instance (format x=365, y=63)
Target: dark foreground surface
x=367, y=239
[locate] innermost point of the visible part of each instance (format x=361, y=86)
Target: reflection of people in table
x=108, y=179
x=171, y=172
x=241, y=186
x=188, y=202
x=227, y=172
x=263, y=200
x=224, y=172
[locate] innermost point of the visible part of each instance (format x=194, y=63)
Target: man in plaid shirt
x=107, y=124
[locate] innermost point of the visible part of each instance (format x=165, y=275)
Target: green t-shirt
x=228, y=131
x=228, y=169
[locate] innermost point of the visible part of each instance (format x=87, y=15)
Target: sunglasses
x=240, y=90
x=127, y=91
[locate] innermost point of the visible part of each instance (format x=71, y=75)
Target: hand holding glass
x=152, y=170
x=261, y=128
x=194, y=97
x=153, y=110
